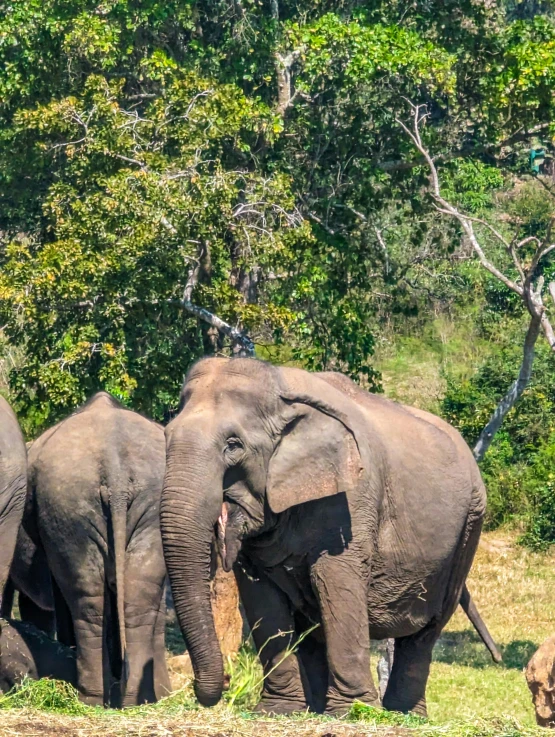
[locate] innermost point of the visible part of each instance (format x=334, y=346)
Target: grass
x=468, y=696
x=515, y=592
x=414, y=367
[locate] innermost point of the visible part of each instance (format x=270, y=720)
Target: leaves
x=139, y=139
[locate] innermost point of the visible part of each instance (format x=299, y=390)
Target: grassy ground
x=515, y=593
x=414, y=367
x=468, y=695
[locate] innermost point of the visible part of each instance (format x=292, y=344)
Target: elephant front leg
x=341, y=589
x=271, y=621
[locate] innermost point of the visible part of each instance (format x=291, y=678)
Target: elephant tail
x=479, y=625
x=118, y=513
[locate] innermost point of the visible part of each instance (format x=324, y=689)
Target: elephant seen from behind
x=95, y=481
x=336, y=509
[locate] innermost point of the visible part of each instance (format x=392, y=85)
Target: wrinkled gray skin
x=13, y=484
x=29, y=575
x=95, y=482
x=334, y=507
x=26, y=652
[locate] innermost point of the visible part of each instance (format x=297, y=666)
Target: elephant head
x=250, y=441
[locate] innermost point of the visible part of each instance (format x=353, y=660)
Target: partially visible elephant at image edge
x=13, y=485
x=335, y=508
x=95, y=482
x=540, y=677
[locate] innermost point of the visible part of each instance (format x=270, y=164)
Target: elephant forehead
x=230, y=387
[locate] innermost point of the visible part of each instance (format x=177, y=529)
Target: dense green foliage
x=519, y=468
x=253, y=145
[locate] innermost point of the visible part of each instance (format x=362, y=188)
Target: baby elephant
x=25, y=651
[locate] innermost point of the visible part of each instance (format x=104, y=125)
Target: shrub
x=519, y=468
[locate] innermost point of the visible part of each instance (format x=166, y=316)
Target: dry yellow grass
x=218, y=722
x=515, y=593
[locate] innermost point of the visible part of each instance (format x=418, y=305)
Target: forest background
x=244, y=160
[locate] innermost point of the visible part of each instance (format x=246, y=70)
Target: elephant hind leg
x=406, y=688
x=314, y=669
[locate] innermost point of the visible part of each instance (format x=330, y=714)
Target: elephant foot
x=92, y=699
x=339, y=706
x=279, y=707
x=419, y=708
x=134, y=698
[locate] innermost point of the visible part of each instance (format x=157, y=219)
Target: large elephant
x=95, y=482
x=13, y=485
x=335, y=508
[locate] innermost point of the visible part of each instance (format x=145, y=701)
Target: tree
x=527, y=256
x=239, y=160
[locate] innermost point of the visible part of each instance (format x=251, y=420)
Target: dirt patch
x=194, y=725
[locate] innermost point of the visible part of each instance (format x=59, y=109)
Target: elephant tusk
x=222, y=524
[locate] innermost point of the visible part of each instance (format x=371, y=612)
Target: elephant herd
x=345, y=517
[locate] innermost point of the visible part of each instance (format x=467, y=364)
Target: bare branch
x=320, y=222
x=447, y=208
x=283, y=72
x=531, y=296
x=383, y=244
x=514, y=393
x=192, y=278
x=141, y=164
x=519, y=135
x=238, y=337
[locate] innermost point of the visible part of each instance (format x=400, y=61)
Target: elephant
x=540, y=677
x=95, y=481
x=13, y=485
x=345, y=516
x=30, y=577
x=26, y=652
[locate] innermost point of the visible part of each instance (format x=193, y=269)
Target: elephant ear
x=319, y=452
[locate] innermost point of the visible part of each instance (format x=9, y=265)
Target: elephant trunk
x=191, y=503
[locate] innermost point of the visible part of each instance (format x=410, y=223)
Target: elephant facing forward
x=93, y=513
x=335, y=507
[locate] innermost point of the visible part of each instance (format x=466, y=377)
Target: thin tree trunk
x=514, y=393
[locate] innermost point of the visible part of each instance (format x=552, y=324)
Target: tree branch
x=238, y=337
x=283, y=73
x=517, y=136
x=514, y=393
x=530, y=295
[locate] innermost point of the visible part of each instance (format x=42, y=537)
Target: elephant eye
x=233, y=444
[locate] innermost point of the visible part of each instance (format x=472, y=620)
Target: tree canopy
x=253, y=141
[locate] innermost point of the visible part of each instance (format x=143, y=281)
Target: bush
x=519, y=467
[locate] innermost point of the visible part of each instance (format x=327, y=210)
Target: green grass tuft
x=245, y=684
x=46, y=695
x=360, y=712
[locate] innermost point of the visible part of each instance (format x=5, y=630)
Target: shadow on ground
x=465, y=648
